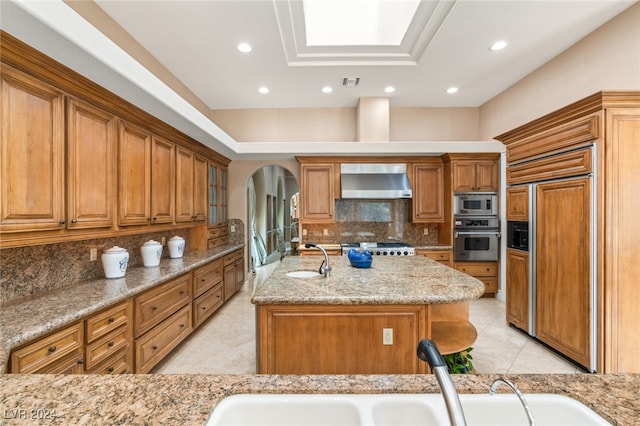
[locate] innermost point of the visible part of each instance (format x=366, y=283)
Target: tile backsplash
x=372, y=220
x=27, y=271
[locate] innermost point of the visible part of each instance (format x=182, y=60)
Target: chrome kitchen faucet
x=324, y=266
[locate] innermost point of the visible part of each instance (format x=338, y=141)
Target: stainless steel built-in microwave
x=475, y=204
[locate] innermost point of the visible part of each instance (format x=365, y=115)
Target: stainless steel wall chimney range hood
x=375, y=181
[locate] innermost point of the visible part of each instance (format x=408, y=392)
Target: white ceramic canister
x=176, y=247
x=151, y=253
x=114, y=262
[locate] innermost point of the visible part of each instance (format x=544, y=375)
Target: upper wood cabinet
x=90, y=183
x=32, y=160
x=428, y=193
x=217, y=195
x=475, y=175
x=518, y=203
x=147, y=177
x=134, y=144
x=191, y=187
x=163, y=180
x=317, y=204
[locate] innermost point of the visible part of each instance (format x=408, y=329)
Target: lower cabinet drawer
x=205, y=305
x=154, y=305
x=478, y=269
x=119, y=363
x=38, y=357
x=490, y=284
x=159, y=341
x=103, y=348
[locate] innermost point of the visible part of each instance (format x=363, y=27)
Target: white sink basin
x=304, y=274
x=397, y=410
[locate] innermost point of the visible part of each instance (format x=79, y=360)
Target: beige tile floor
x=225, y=344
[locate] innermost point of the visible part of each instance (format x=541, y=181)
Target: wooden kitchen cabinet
x=109, y=340
x=518, y=203
x=59, y=352
x=91, y=184
x=33, y=157
x=442, y=256
x=162, y=319
x=317, y=193
x=556, y=146
x=233, y=273
x=155, y=305
x=147, y=177
x=153, y=346
x=475, y=172
x=487, y=272
x=428, y=193
x=191, y=187
x=517, y=288
x=562, y=324
x=208, y=291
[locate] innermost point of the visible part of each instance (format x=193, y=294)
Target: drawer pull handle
x=112, y=319
x=153, y=308
x=181, y=293
x=110, y=369
x=110, y=343
x=52, y=348
x=204, y=308
x=181, y=325
x=154, y=347
x=81, y=361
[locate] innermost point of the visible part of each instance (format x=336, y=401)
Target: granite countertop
x=189, y=399
x=25, y=320
x=389, y=280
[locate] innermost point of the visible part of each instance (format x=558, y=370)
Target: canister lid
x=115, y=249
x=151, y=243
x=176, y=238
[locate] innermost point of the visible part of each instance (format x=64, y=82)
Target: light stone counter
x=189, y=399
x=23, y=321
x=389, y=280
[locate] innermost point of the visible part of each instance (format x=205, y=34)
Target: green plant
x=459, y=362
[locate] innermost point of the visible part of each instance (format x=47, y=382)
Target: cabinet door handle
x=62, y=222
x=52, y=348
x=74, y=220
x=204, y=308
x=81, y=361
x=181, y=293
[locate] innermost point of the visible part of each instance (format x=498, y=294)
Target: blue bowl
x=360, y=259
x=360, y=263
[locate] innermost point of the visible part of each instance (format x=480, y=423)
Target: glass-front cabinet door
x=223, y=196
x=213, y=195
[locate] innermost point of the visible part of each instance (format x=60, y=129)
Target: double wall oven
x=476, y=227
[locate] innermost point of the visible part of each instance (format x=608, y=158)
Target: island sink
x=304, y=274
x=397, y=409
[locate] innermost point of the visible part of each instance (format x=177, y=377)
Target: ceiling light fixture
x=498, y=45
x=264, y=90
x=244, y=47
x=451, y=90
x=327, y=89
x=389, y=89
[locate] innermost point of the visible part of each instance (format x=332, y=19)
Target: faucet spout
x=514, y=388
x=324, y=266
x=428, y=352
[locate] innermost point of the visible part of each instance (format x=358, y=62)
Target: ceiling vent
x=350, y=81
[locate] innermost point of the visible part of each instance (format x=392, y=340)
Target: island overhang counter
x=361, y=320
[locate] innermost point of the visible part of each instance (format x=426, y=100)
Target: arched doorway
x=269, y=192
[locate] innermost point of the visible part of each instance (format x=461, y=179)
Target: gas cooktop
x=381, y=248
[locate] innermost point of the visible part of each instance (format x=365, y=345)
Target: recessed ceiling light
x=498, y=45
x=451, y=90
x=264, y=90
x=327, y=89
x=244, y=47
x=389, y=89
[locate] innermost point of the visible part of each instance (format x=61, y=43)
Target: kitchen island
x=361, y=320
